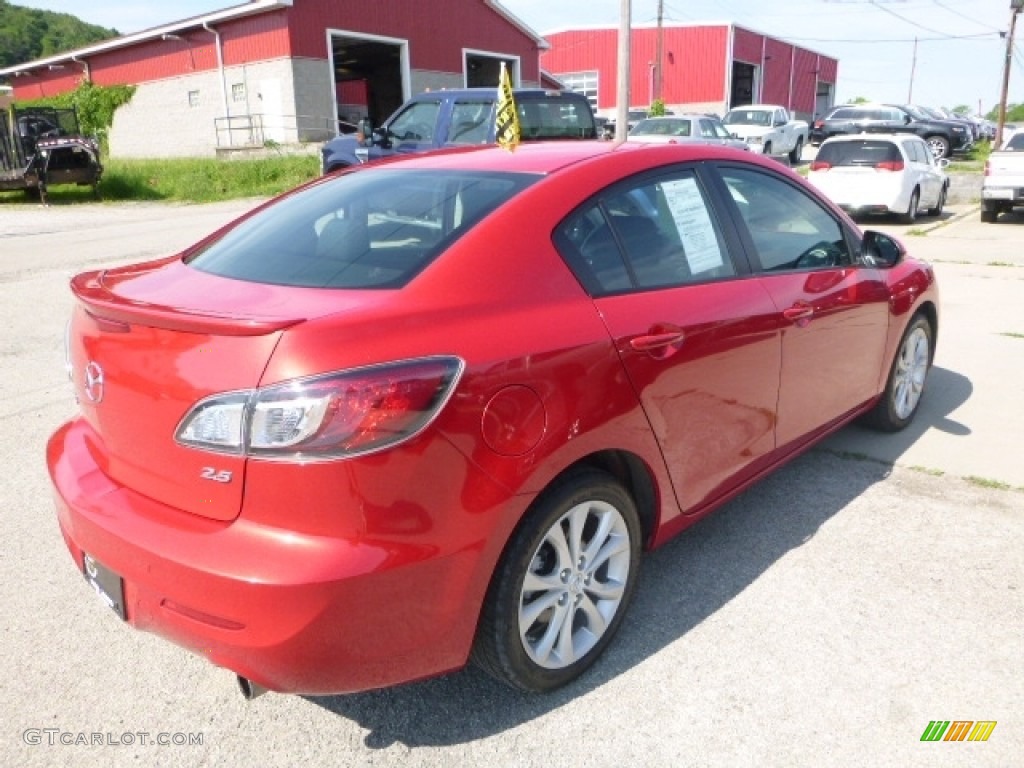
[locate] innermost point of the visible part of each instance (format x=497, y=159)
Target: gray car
x=704, y=129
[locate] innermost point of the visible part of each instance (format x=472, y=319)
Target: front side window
x=789, y=229
x=359, y=230
x=656, y=234
x=416, y=123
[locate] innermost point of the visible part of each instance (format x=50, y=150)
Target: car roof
x=550, y=157
x=454, y=93
x=897, y=137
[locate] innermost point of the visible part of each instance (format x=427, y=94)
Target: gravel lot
x=821, y=619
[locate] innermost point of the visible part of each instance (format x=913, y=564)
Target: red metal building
x=285, y=70
x=704, y=68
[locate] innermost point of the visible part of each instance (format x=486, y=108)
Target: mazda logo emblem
x=94, y=383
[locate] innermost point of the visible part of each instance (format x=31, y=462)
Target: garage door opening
x=744, y=84
x=483, y=69
x=371, y=77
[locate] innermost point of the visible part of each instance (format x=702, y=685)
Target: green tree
x=657, y=108
x=27, y=34
x=1014, y=113
x=859, y=100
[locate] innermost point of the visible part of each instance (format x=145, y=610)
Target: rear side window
x=659, y=233
x=863, y=152
x=1016, y=143
x=471, y=121
x=372, y=229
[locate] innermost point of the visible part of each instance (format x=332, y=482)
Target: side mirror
x=942, y=162
x=880, y=250
x=907, y=119
x=365, y=131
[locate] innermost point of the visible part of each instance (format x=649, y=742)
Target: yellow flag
x=506, y=124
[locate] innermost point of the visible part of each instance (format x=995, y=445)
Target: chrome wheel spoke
x=575, y=584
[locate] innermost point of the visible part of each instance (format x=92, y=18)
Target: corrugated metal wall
x=695, y=63
x=436, y=35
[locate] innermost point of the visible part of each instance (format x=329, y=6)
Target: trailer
x=42, y=147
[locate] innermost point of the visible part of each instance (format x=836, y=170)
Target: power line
x=955, y=12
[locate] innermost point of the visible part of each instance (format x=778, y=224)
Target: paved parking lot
x=823, y=618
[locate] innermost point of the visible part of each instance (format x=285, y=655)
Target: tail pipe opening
x=250, y=690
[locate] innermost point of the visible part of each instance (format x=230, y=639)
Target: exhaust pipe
x=250, y=690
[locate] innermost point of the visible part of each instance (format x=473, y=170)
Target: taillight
x=820, y=165
x=335, y=415
x=889, y=165
x=819, y=123
x=988, y=168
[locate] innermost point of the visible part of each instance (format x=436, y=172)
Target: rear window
x=555, y=116
x=369, y=229
x=861, y=152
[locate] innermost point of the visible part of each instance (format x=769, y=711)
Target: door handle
x=661, y=342
x=799, y=313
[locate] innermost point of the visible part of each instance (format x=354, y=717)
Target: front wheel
x=907, y=378
x=562, y=587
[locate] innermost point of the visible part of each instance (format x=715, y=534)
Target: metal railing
x=255, y=130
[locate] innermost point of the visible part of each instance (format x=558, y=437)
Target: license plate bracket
x=107, y=584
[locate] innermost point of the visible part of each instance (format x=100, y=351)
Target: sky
x=959, y=58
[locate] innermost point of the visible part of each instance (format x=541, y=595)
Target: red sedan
x=434, y=410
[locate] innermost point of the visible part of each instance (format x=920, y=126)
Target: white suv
x=881, y=173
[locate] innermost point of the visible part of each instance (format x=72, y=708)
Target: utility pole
x=659, y=50
x=913, y=68
x=622, y=86
x=1015, y=8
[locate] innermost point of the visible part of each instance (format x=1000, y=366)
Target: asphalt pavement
x=824, y=618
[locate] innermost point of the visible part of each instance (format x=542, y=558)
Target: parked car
x=1002, y=187
x=682, y=128
x=943, y=137
x=459, y=117
x=768, y=128
x=435, y=409
x=881, y=173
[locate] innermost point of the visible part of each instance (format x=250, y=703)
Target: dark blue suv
x=438, y=119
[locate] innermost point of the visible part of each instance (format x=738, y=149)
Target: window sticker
x=693, y=223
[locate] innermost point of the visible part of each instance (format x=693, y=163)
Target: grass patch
x=1000, y=264
x=928, y=471
x=987, y=482
x=916, y=232
x=1012, y=334
x=188, y=180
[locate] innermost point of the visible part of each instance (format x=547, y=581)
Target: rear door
x=695, y=332
x=833, y=312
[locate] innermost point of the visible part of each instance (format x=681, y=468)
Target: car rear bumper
x=293, y=612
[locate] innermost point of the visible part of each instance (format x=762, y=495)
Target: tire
x=937, y=210
x=768, y=149
x=910, y=216
x=907, y=376
x=989, y=215
x=794, y=156
x=571, y=565
x=939, y=146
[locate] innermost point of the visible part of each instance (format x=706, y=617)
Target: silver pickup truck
x=1003, y=185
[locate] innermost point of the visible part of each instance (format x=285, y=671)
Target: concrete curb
x=959, y=216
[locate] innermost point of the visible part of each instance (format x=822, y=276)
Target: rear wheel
x=937, y=210
x=910, y=216
x=794, y=156
x=768, y=148
x=989, y=214
x=939, y=146
x=907, y=378
x=562, y=587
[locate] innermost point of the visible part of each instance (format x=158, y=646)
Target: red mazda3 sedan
x=434, y=410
